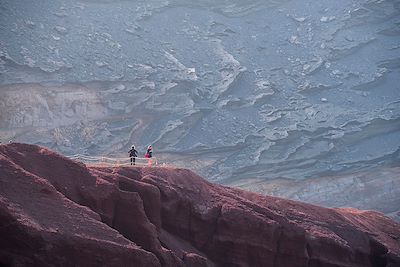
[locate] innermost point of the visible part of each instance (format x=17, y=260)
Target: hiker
x=133, y=155
x=149, y=154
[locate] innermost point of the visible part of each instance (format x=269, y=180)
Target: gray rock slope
x=375, y=190
x=231, y=89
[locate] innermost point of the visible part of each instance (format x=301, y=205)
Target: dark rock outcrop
x=56, y=212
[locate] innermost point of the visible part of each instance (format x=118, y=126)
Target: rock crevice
x=140, y=216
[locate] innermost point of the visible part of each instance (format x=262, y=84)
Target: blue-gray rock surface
x=234, y=90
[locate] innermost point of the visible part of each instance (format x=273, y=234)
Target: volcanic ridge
x=57, y=212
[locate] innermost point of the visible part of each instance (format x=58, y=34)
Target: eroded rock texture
x=377, y=190
x=232, y=89
x=56, y=212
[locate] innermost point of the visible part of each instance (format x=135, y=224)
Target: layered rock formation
x=377, y=190
x=56, y=212
x=232, y=89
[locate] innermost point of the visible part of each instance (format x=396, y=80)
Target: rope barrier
x=107, y=161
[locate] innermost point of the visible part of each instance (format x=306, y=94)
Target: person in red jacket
x=149, y=154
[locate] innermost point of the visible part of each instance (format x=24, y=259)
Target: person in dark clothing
x=133, y=155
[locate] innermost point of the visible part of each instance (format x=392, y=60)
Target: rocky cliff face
x=377, y=190
x=56, y=212
x=232, y=89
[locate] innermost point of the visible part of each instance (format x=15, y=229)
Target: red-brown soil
x=57, y=212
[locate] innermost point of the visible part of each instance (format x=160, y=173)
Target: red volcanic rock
x=56, y=212
x=39, y=226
